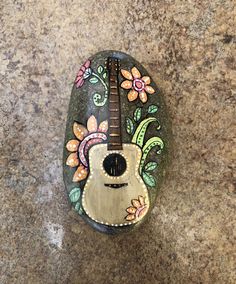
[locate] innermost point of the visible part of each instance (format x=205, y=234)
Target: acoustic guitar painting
x=114, y=178
x=114, y=146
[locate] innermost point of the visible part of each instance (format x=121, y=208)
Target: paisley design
x=86, y=137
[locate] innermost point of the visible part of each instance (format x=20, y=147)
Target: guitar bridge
x=116, y=185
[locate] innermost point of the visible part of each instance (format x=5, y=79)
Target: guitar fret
x=113, y=109
x=115, y=114
x=115, y=131
x=113, y=83
x=115, y=140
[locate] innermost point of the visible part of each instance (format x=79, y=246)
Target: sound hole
x=114, y=165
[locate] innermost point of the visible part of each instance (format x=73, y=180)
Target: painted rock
x=116, y=142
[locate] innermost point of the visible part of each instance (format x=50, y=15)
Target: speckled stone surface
x=189, y=49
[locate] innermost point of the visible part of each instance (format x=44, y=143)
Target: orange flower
x=138, y=210
x=136, y=85
x=86, y=137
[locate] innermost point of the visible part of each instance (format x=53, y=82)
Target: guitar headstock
x=113, y=63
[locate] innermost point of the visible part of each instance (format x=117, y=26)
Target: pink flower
x=84, y=72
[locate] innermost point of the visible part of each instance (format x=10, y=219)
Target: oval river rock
x=116, y=142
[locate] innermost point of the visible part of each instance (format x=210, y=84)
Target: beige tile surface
x=189, y=48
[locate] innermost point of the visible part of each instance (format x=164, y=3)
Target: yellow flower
x=137, y=210
x=138, y=86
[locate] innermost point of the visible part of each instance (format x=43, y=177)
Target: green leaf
x=80, y=211
x=152, y=109
x=93, y=80
x=149, y=179
x=100, y=69
x=104, y=75
x=150, y=166
x=137, y=114
x=74, y=195
x=79, y=208
x=129, y=125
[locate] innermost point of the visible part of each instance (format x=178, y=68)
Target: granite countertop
x=189, y=49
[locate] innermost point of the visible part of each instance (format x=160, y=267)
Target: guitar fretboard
x=115, y=139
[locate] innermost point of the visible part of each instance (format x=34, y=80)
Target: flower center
x=138, y=85
x=87, y=73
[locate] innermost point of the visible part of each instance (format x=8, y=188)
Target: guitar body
x=105, y=202
x=115, y=143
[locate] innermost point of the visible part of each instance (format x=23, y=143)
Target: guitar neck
x=115, y=139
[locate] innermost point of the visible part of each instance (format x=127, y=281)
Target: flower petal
x=141, y=199
x=80, y=83
x=80, y=73
x=146, y=80
x=149, y=89
x=72, y=145
x=142, y=212
x=77, y=78
x=79, y=130
x=103, y=126
x=130, y=217
x=143, y=96
x=87, y=63
x=126, y=84
x=72, y=160
x=132, y=95
x=135, y=73
x=131, y=210
x=126, y=74
x=80, y=174
x=135, y=203
x=92, y=124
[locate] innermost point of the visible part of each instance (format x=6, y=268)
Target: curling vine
x=138, y=129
